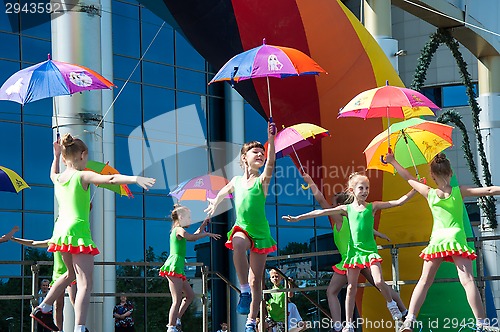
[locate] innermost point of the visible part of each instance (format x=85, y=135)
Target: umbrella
x=49, y=79
x=105, y=169
x=295, y=137
x=267, y=61
x=11, y=181
x=199, y=188
x=416, y=142
x=388, y=101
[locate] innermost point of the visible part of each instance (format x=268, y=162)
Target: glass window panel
x=129, y=207
x=9, y=22
x=157, y=236
x=158, y=74
x=39, y=112
x=284, y=210
x=156, y=207
x=255, y=125
x=38, y=226
x=8, y=109
x=35, y=50
x=191, y=119
x=288, y=188
x=129, y=247
x=193, y=162
x=11, y=153
x=186, y=56
x=271, y=214
x=197, y=214
x=126, y=37
x=38, y=154
x=11, y=251
x=36, y=25
x=127, y=109
x=293, y=240
x=189, y=80
x=39, y=199
x=454, y=96
x=159, y=101
x=162, y=48
x=160, y=162
x=122, y=69
x=11, y=52
x=123, y=157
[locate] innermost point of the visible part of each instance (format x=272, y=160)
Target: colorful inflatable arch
x=328, y=32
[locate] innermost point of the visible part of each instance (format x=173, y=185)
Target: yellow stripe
x=17, y=182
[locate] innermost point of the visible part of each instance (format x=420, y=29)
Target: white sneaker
x=395, y=313
x=407, y=326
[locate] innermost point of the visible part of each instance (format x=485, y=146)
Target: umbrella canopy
x=267, y=61
x=199, y=188
x=105, y=169
x=296, y=137
x=11, y=181
x=49, y=79
x=388, y=101
x=416, y=142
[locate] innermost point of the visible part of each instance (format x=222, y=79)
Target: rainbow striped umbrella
x=11, y=181
x=105, y=169
x=199, y=188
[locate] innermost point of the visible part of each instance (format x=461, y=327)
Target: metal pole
x=287, y=283
x=228, y=306
x=204, y=298
x=262, y=304
x=34, y=277
x=480, y=271
x=395, y=269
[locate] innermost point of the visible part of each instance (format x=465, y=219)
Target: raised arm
x=398, y=202
x=422, y=188
x=8, y=236
x=31, y=243
x=202, y=227
x=479, y=191
x=339, y=210
x=181, y=232
x=54, y=168
x=265, y=177
x=318, y=195
x=95, y=178
x=214, y=202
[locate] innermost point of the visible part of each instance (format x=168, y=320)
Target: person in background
x=122, y=312
x=223, y=327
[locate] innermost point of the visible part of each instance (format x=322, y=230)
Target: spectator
x=223, y=327
x=123, y=315
x=42, y=293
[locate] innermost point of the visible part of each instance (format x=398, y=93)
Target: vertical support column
x=76, y=38
x=234, y=105
x=204, y=297
x=34, y=286
x=395, y=268
x=489, y=122
x=378, y=21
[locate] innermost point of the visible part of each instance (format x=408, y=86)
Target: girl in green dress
x=251, y=229
x=448, y=240
x=173, y=269
x=362, y=249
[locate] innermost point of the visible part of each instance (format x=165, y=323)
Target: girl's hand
x=389, y=157
x=385, y=237
x=307, y=178
x=211, y=207
x=290, y=218
x=145, y=183
x=213, y=236
x=57, y=148
x=271, y=130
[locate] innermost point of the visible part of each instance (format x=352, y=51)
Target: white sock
x=411, y=317
x=251, y=321
x=392, y=304
x=245, y=288
x=480, y=322
x=79, y=328
x=178, y=322
x=337, y=326
x=45, y=307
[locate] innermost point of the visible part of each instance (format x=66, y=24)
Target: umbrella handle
x=273, y=130
x=382, y=160
x=305, y=187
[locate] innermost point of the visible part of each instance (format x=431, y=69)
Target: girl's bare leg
x=378, y=279
x=64, y=281
x=84, y=269
x=395, y=295
x=332, y=292
x=188, y=298
x=464, y=268
x=175, y=285
x=257, y=266
x=241, y=243
x=352, y=288
x=58, y=311
x=429, y=270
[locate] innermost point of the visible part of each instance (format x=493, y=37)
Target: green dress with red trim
x=251, y=217
x=174, y=265
x=276, y=305
x=448, y=237
x=341, y=239
x=72, y=229
x=362, y=250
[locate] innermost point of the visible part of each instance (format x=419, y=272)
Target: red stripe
x=73, y=250
x=171, y=274
x=448, y=255
x=362, y=266
x=229, y=242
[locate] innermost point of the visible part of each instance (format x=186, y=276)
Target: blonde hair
x=178, y=209
x=71, y=147
x=440, y=166
x=353, y=179
x=342, y=198
x=247, y=147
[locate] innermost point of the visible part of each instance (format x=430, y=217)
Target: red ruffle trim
x=338, y=271
x=448, y=255
x=362, y=266
x=73, y=250
x=236, y=229
x=172, y=274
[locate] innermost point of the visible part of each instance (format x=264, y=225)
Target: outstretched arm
x=204, y=224
x=214, y=202
x=398, y=202
x=55, y=169
x=265, y=177
x=318, y=195
x=381, y=235
x=181, y=232
x=339, y=210
x=31, y=243
x=479, y=191
x=423, y=189
x=8, y=236
x=95, y=178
